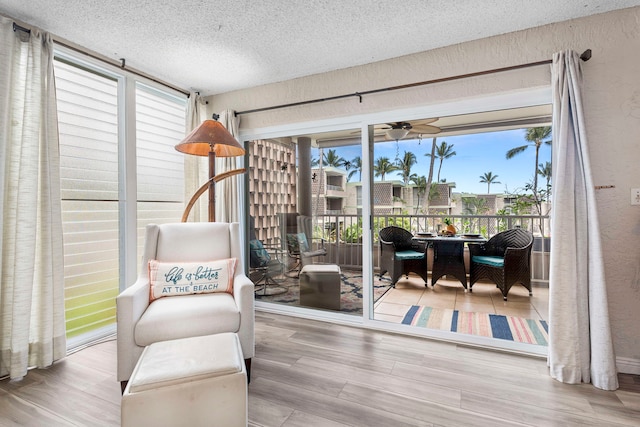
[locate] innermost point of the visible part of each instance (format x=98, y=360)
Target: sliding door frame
x=490, y=102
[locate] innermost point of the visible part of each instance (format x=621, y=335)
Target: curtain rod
x=586, y=55
x=121, y=65
x=17, y=27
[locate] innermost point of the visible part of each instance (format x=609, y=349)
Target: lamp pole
x=212, y=185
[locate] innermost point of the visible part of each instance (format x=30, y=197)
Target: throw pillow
x=185, y=278
x=258, y=255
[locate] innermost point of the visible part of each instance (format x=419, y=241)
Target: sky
x=475, y=155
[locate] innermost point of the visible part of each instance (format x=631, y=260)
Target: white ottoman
x=198, y=381
x=320, y=286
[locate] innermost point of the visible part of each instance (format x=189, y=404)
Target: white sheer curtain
x=228, y=190
x=32, y=323
x=580, y=343
x=196, y=169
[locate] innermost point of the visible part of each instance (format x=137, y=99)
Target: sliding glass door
x=480, y=173
x=305, y=203
x=442, y=185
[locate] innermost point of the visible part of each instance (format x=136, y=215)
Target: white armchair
x=141, y=323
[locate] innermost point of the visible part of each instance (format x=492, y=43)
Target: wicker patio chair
x=505, y=260
x=400, y=254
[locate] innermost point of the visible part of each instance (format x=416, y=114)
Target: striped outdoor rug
x=484, y=324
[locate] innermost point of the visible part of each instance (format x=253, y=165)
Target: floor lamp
x=213, y=140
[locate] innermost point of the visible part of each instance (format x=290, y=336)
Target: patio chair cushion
x=406, y=255
x=297, y=243
x=493, y=261
x=302, y=242
x=258, y=255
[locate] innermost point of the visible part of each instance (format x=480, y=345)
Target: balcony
x=335, y=191
x=342, y=235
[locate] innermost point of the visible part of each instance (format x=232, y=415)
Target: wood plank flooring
x=310, y=373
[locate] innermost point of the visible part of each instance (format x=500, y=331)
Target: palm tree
x=383, y=166
x=347, y=167
x=443, y=151
x=536, y=137
x=421, y=185
x=475, y=205
x=353, y=166
x=405, y=164
x=489, y=178
x=432, y=159
x=332, y=159
x=545, y=172
x=434, y=191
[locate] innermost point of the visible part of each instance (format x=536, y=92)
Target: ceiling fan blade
x=424, y=121
x=426, y=129
x=376, y=131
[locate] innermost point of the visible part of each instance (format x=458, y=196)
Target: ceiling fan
x=399, y=130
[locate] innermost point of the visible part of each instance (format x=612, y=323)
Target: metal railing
x=342, y=234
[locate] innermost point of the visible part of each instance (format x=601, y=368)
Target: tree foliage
x=443, y=151
x=489, y=178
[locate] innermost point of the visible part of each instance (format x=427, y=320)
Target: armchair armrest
x=130, y=305
x=419, y=245
x=514, y=255
x=387, y=246
x=476, y=249
x=275, y=250
x=243, y=293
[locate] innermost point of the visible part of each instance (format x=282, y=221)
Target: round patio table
x=448, y=255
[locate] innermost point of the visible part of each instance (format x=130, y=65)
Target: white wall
x=612, y=104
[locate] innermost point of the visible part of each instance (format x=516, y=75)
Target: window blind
x=88, y=126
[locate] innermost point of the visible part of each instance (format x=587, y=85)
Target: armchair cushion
x=184, y=278
x=187, y=316
x=494, y=261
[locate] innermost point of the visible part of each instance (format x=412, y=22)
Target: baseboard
x=627, y=365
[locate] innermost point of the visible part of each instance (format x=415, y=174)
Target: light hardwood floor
x=310, y=373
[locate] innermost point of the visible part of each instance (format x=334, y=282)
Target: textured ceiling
x=215, y=46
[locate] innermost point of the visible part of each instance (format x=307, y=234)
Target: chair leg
x=247, y=364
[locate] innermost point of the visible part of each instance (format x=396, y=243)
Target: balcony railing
x=343, y=234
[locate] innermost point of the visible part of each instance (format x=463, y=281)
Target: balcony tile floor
x=450, y=294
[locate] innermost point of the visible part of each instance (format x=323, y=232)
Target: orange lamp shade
x=210, y=136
